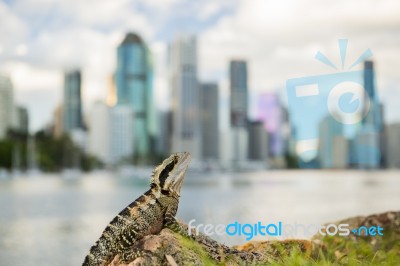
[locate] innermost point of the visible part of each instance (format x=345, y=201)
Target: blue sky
x=41, y=38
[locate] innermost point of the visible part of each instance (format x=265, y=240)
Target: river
x=49, y=220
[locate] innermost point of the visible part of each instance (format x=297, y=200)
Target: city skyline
x=277, y=46
x=116, y=123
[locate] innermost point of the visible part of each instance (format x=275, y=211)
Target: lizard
x=148, y=214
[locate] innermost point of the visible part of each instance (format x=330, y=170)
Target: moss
x=331, y=251
x=189, y=245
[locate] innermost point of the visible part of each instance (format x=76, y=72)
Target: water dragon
x=149, y=214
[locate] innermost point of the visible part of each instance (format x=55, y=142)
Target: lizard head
x=168, y=176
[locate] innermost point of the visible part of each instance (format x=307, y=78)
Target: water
x=53, y=221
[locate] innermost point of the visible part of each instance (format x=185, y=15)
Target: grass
x=347, y=251
x=330, y=250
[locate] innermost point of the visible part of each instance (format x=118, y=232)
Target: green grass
x=347, y=251
x=331, y=250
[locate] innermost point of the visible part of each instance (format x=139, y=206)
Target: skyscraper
x=58, y=121
x=111, y=132
x=210, y=120
x=72, y=106
x=373, y=119
x=367, y=139
x=164, y=143
x=6, y=105
x=99, y=131
x=271, y=112
x=238, y=114
x=121, y=134
x=258, y=141
x=238, y=86
x=333, y=146
x=21, y=123
x=186, y=134
x=369, y=80
x=392, y=145
x=133, y=79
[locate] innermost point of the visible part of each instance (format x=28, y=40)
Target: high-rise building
x=382, y=138
x=165, y=141
x=6, y=105
x=186, y=134
x=333, y=146
x=226, y=149
x=111, y=132
x=58, y=121
x=369, y=81
x=99, y=131
x=275, y=118
x=121, y=134
x=210, y=120
x=392, y=146
x=239, y=93
x=258, y=141
x=72, y=106
x=238, y=113
x=133, y=79
x=366, y=149
x=21, y=120
x=367, y=140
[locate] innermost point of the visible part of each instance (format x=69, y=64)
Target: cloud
x=279, y=39
x=30, y=78
x=13, y=30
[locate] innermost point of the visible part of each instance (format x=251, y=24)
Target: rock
x=169, y=248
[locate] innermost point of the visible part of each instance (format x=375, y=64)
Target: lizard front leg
x=171, y=223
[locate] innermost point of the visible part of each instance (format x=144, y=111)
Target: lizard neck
x=164, y=198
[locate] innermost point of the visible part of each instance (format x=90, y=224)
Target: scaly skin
x=147, y=215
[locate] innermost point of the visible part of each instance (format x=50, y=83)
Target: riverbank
x=364, y=247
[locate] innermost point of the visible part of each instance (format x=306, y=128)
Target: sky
x=39, y=39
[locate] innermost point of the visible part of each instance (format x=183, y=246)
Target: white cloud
x=280, y=38
x=21, y=50
x=13, y=30
x=27, y=77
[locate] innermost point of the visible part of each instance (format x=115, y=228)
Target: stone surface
x=169, y=248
